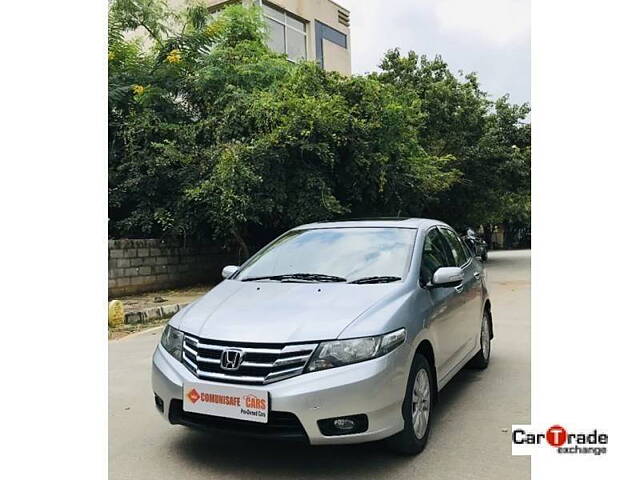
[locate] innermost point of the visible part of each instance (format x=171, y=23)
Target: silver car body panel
x=272, y=312
x=265, y=312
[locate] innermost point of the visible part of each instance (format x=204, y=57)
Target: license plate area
x=227, y=401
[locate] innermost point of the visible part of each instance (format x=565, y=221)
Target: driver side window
x=435, y=254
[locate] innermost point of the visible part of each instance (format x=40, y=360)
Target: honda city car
x=334, y=333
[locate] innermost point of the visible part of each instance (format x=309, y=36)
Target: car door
x=440, y=306
x=469, y=295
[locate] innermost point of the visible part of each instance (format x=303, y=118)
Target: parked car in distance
x=476, y=244
x=334, y=333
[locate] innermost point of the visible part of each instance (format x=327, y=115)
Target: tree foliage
x=491, y=141
x=214, y=136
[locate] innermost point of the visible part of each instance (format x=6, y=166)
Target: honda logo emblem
x=231, y=359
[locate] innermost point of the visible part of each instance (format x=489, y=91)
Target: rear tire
x=484, y=257
x=481, y=359
x=417, y=409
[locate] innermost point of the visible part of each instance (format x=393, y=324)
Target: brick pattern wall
x=137, y=266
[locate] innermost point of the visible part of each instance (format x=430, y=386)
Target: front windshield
x=349, y=253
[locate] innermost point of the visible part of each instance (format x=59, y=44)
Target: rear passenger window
x=435, y=254
x=460, y=255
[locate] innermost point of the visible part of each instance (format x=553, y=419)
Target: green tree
x=490, y=142
x=212, y=135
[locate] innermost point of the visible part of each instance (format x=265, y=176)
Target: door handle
x=459, y=288
x=477, y=275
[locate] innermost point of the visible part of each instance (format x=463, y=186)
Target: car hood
x=265, y=312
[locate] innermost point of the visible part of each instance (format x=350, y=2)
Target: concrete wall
x=336, y=58
x=137, y=266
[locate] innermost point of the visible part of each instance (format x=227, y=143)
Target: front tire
x=481, y=359
x=417, y=409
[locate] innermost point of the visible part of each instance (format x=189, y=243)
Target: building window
x=325, y=32
x=287, y=34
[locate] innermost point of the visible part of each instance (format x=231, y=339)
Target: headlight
x=343, y=352
x=172, y=342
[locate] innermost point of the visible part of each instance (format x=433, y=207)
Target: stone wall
x=137, y=266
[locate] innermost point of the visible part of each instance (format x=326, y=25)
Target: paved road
x=467, y=440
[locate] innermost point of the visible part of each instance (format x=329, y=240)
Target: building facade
x=316, y=30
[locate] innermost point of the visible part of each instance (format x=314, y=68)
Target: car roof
x=395, y=222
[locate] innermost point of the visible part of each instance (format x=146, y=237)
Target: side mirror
x=229, y=270
x=447, y=277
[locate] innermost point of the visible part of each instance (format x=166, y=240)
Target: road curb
x=138, y=333
x=151, y=314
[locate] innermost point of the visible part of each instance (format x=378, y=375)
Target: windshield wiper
x=312, y=277
x=379, y=279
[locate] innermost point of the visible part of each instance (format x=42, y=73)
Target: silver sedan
x=334, y=333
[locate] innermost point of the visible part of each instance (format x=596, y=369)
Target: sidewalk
x=142, y=301
x=151, y=309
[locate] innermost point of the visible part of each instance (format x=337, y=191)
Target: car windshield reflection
x=334, y=254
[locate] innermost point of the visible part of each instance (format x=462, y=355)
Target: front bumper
x=374, y=388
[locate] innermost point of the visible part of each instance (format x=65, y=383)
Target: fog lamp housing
x=348, y=425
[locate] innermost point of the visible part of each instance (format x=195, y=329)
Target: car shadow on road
x=248, y=458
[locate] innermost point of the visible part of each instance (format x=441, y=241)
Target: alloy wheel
x=485, y=337
x=421, y=403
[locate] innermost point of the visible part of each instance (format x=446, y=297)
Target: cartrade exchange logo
x=527, y=440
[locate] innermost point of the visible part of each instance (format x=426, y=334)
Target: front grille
x=283, y=425
x=262, y=362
